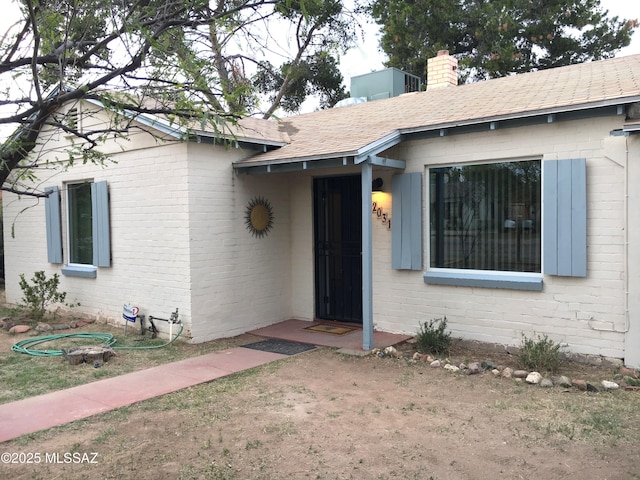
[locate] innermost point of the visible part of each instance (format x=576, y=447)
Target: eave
x=371, y=151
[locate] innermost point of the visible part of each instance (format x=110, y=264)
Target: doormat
x=283, y=347
x=330, y=329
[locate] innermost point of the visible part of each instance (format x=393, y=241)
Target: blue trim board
x=80, y=271
x=53, y=225
x=483, y=280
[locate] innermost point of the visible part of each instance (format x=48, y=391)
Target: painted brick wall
x=302, y=253
x=239, y=281
x=632, y=338
x=588, y=314
x=149, y=236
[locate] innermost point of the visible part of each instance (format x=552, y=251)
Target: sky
x=366, y=57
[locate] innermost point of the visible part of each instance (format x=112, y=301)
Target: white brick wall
x=239, y=282
x=589, y=315
x=179, y=241
x=149, y=236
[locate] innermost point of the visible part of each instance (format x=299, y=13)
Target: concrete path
x=57, y=408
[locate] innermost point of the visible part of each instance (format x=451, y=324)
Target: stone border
x=626, y=378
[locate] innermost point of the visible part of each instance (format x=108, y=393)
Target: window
x=487, y=226
x=88, y=231
x=73, y=118
x=80, y=223
x=486, y=217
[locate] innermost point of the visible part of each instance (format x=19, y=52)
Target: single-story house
x=508, y=206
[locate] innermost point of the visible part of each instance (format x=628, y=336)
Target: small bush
x=433, y=337
x=539, y=354
x=40, y=293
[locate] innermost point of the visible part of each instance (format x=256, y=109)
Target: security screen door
x=338, y=246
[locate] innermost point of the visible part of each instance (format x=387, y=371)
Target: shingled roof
x=350, y=131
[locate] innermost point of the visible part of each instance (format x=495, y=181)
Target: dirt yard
x=323, y=415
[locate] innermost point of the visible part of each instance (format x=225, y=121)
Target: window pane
x=486, y=217
x=80, y=224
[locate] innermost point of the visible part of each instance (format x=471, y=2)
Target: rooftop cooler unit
x=386, y=83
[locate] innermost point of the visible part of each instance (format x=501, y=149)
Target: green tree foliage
x=191, y=61
x=316, y=33
x=498, y=37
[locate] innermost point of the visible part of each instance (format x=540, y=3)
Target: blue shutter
x=53, y=225
x=565, y=217
x=100, y=216
x=406, y=226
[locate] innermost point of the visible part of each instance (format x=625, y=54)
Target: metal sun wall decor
x=259, y=217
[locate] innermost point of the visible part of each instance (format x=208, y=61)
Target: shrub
x=433, y=337
x=540, y=354
x=40, y=293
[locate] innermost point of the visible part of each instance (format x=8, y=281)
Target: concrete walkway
x=57, y=408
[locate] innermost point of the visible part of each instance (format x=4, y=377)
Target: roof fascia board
x=387, y=162
x=263, y=169
x=310, y=158
x=148, y=120
x=380, y=161
x=379, y=145
x=180, y=132
x=440, y=130
x=579, y=111
x=266, y=143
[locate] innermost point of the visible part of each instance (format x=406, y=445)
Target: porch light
x=380, y=202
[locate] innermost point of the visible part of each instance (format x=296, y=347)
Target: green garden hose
x=26, y=346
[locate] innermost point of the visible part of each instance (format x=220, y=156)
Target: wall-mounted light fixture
x=380, y=202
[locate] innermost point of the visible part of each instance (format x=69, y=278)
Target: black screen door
x=338, y=246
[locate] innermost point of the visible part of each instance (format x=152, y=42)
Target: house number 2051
x=381, y=215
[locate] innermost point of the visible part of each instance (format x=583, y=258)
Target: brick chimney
x=442, y=71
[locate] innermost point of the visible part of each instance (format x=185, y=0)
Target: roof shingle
x=343, y=131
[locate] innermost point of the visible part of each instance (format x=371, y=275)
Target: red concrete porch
x=295, y=331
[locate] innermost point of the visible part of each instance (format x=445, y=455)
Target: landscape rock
x=496, y=372
x=7, y=325
x=421, y=357
x=435, y=364
x=628, y=371
x=391, y=351
x=520, y=374
x=474, y=368
x=561, y=381
x=507, y=372
x=607, y=385
x=60, y=326
x=534, y=378
x=625, y=386
x=451, y=368
x=19, y=329
x=546, y=383
x=462, y=366
x=43, y=327
x=488, y=365
x=592, y=388
x=580, y=384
